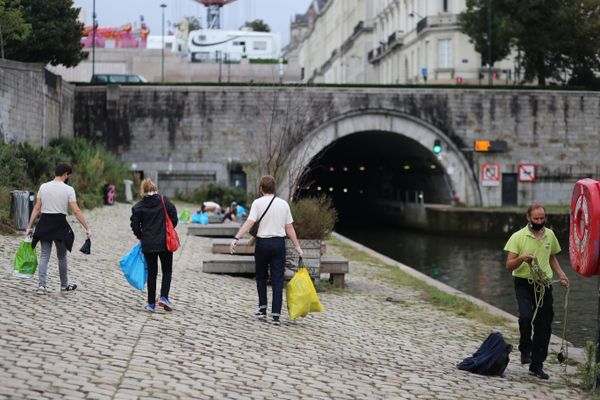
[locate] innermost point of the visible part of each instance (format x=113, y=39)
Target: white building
x=391, y=42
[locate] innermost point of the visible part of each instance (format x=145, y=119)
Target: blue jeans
x=269, y=253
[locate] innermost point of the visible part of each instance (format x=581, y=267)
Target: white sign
x=527, y=172
x=490, y=174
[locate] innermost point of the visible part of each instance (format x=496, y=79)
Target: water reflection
x=476, y=266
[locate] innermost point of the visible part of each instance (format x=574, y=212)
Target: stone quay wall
x=36, y=105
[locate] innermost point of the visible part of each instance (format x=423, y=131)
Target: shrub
x=589, y=371
x=314, y=217
x=217, y=192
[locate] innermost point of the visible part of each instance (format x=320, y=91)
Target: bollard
x=128, y=194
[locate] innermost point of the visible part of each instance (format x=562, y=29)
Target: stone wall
x=204, y=130
x=36, y=106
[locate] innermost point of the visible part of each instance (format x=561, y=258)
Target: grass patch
x=444, y=301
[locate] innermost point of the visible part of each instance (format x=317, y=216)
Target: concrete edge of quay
x=575, y=353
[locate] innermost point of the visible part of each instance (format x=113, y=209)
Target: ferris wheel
x=213, y=19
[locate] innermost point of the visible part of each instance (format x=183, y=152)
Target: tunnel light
x=345, y=190
x=330, y=189
x=345, y=169
x=331, y=168
x=406, y=167
x=361, y=168
x=319, y=188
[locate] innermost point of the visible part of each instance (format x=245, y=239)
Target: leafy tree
x=55, y=34
x=13, y=28
x=258, y=25
x=194, y=23
x=475, y=24
x=554, y=38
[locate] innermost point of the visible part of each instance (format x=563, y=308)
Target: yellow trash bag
x=301, y=295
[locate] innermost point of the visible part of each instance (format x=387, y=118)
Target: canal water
x=476, y=266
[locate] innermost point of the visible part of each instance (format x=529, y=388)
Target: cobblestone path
x=98, y=343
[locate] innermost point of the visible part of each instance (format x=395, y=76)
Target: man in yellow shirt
x=539, y=242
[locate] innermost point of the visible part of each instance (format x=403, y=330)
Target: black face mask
x=536, y=227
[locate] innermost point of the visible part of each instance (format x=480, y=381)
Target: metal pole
x=489, y=24
x=596, y=380
x=94, y=38
x=1, y=43
x=162, y=54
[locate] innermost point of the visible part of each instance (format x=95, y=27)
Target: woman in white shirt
x=275, y=222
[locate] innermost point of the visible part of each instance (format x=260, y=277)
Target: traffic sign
x=490, y=174
x=527, y=172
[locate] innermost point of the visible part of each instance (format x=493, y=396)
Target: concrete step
x=214, y=230
x=335, y=266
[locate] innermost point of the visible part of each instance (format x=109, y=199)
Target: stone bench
x=336, y=266
x=221, y=246
x=213, y=230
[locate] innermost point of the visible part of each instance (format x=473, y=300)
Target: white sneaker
x=41, y=291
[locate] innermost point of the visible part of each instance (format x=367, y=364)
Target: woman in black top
x=149, y=226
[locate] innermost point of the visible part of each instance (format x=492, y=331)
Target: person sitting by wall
x=211, y=207
x=231, y=213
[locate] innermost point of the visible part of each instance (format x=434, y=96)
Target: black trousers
x=166, y=263
x=269, y=254
x=534, y=342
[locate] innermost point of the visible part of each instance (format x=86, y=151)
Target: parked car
x=118, y=78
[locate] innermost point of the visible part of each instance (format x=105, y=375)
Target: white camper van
x=214, y=45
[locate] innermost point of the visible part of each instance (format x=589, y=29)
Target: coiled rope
x=540, y=282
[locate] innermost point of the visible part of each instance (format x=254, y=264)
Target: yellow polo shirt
x=523, y=242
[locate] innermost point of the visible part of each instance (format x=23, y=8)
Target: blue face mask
x=536, y=227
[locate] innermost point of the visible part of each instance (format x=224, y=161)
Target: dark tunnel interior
x=364, y=170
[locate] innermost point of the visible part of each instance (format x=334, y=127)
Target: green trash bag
x=25, y=260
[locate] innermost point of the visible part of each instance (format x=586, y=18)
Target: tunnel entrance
x=376, y=174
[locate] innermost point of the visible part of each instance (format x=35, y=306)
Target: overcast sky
x=276, y=13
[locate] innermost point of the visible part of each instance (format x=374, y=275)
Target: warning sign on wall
x=527, y=172
x=490, y=174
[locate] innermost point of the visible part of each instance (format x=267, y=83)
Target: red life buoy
x=584, y=232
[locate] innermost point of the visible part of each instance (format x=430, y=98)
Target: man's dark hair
x=62, y=168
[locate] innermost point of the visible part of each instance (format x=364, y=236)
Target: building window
x=445, y=53
x=259, y=45
x=445, y=5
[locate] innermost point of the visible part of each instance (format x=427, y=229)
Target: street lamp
x=93, y=38
x=162, y=56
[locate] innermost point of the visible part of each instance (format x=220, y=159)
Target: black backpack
x=490, y=359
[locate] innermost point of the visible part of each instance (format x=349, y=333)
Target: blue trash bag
x=200, y=218
x=240, y=211
x=134, y=267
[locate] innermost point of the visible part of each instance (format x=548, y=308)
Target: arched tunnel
x=375, y=174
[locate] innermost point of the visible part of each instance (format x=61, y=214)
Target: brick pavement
x=98, y=343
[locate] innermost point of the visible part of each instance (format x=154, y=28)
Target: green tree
x=258, y=25
x=581, y=44
x=13, y=28
x=55, y=34
x=194, y=23
x=553, y=38
x=474, y=22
